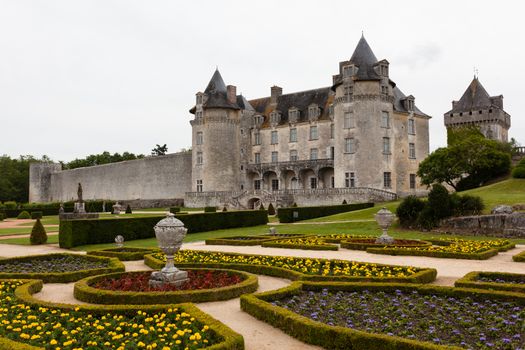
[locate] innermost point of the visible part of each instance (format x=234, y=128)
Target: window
x=256, y=138
x=275, y=184
x=314, y=135
x=332, y=182
x=411, y=151
x=313, y=182
x=387, y=179
x=350, y=179
x=350, y=145
x=198, y=139
x=275, y=118
x=199, y=158
x=257, y=157
x=349, y=89
x=198, y=115
x=258, y=119
x=384, y=90
x=386, y=145
x=199, y=99
x=385, y=120
x=256, y=185
x=349, y=120
x=313, y=153
x=274, y=137
x=293, y=135
x=199, y=185
x=332, y=130
x=331, y=152
x=293, y=156
x=348, y=71
x=293, y=115
x=275, y=157
x=331, y=111
x=383, y=70
x=412, y=181
x=411, y=127
x=313, y=112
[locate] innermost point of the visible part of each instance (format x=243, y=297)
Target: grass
x=511, y=191
x=25, y=240
x=168, y=209
x=363, y=214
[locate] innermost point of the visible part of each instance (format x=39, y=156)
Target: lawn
x=510, y=192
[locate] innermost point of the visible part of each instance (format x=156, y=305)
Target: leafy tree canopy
x=159, y=150
x=14, y=177
x=102, y=158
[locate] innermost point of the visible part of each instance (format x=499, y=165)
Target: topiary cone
x=38, y=233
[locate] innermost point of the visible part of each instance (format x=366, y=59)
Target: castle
x=359, y=139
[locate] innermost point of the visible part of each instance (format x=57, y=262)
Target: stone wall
x=151, y=178
x=497, y=225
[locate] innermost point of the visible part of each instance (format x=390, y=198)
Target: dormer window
x=198, y=115
x=275, y=118
x=258, y=120
x=349, y=89
x=313, y=112
x=383, y=70
x=293, y=115
x=199, y=99
x=409, y=103
x=384, y=90
x=348, y=71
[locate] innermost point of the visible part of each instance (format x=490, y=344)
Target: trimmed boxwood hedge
x=425, y=275
x=305, y=213
x=128, y=255
x=36, y=215
x=85, y=292
x=114, y=265
x=447, y=255
x=252, y=240
x=336, y=337
x=230, y=340
x=74, y=233
x=321, y=246
x=355, y=245
x=470, y=280
x=519, y=257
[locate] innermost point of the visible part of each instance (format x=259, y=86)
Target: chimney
x=454, y=103
x=497, y=101
x=231, y=93
x=276, y=92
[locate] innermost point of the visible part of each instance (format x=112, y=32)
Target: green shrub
x=128, y=210
x=124, y=253
x=210, y=209
x=38, y=234
x=2, y=216
x=73, y=233
x=520, y=257
x=174, y=210
x=426, y=219
x=439, y=206
x=271, y=209
x=24, y=215
x=294, y=205
x=519, y=172
x=344, y=201
x=468, y=205
x=10, y=205
x=304, y=213
x=36, y=215
x=471, y=280
x=224, y=208
x=408, y=211
x=261, y=207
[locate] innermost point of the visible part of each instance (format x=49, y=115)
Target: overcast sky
x=82, y=77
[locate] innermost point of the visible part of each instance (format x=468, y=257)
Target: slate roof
x=364, y=58
x=399, y=106
x=475, y=97
x=217, y=95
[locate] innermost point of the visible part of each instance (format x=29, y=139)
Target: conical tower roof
x=364, y=58
x=217, y=96
x=475, y=97
x=216, y=83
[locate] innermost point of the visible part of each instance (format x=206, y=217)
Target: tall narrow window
x=293, y=155
x=275, y=184
x=199, y=139
x=314, y=135
x=387, y=179
x=412, y=181
x=275, y=157
x=348, y=71
x=411, y=127
x=350, y=145
x=349, y=120
x=385, y=119
x=331, y=151
x=313, y=182
x=332, y=182
x=199, y=158
x=411, y=151
x=332, y=130
x=199, y=99
x=199, y=185
x=314, y=154
x=198, y=115
x=256, y=185
x=256, y=138
x=386, y=145
x=257, y=157
x=350, y=179
x=293, y=135
x=348, y=90
x=274, y=137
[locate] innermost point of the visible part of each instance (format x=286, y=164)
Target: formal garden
x=339, y=277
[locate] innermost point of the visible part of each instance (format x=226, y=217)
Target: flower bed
x=27, y=323
x=124, y=253
x=392, y=316
x=337, y=238
x=57, y=268
x=519, y=257
x=296, y=268
x=307, y=243
x=365, y=243
x=249, y=240
x=513, y=282
x=452, y=248
x=132, y=288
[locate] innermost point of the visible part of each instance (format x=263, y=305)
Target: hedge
x=210, y=209
x=336, y=337
x=321, y=246
x=304, y=213
x=251, y=240
x=123, y=254
x=114, y=265
x=48, y=209
x=85, y=292
x=2, y=216
x=230, y=340
x=470, y=280
x=425, y=275
x=434, y=254
x=36, y=215
x=74, y=233
x=354, y=244
x=520, y=257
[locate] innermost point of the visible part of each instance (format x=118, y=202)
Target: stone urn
x=384, y=219
x=169, y=233
x=119, y=241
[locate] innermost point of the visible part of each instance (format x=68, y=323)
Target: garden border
x=349, y=244
x=425, y=275
x=434, y=254
x=257, y=239
x=114, y=265
x=138, y=254
x=520, y=257
x=83, y=291
x=337, y=337
x=321, y=246
x=470, y=281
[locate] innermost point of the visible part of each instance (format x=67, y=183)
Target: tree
x=14, y=177
x=102, y=158
x=159, y=150
x=38, y=233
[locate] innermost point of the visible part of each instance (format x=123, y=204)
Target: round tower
x=216, y=138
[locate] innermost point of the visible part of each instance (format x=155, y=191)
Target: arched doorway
x=271, y=181
x=252, y=201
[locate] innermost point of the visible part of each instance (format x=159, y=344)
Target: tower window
x=386, y=145
x=348, y=71
x=387, y=179
x=199, y=158
x=411, y=151
x=274, y=137
x=199, y=138
x=258, y=120
x=314, y=135
x=385, y=119
x=275, y=157
x=411, y=127
x=198, y=115
x=350, y=145
x=332, y=130
x=256, y=138
x=199, y=99
x=331, y=110
x=348, y=89
x=293, y=135
x=412, y=181
x=314, y=154
x=349, y=120
x=199, y=185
